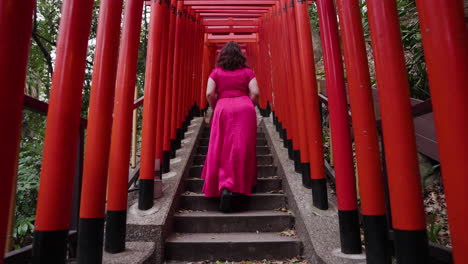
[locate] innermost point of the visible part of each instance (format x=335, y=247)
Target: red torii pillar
x=162, y=84
x=15, y=38
x=445, y=41
x=168, y=113
x=340, y=131
x=404, y=182
x=318, y=181
x=121, y=129
x=371, y=184
x=148, y=143
x=176, y=77
x=93, y=194
x=61, y=138
x=302, y=160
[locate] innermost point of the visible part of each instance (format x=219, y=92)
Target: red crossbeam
x=231, y=29
x=234, y=15
x=229, y=3
x=232, y=37
x=234, y=11
x=226, y=7
x=230, y=22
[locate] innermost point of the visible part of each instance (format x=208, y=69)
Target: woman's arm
x=254, y=92
x=211, y=92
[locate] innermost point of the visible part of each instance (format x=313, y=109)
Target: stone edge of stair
x=157, y=226
x=318, y=230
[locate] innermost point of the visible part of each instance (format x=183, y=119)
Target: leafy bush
x=29, y=167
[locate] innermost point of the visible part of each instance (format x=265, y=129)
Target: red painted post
x=312, y=114
x=122, y=129
x=15, y=36
x=300, y=154
x=371, y=185
x=63, y=121
x=400, y=147
x=340, y=131
x=93, y=194
x=169, y=114
x=162, y=84
x=148, y=143
x=176, y=78
x=302, y=108
x=445, y=41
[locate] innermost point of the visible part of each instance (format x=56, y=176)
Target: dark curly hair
x=231, y=57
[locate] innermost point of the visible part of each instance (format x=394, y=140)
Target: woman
x=231, y=162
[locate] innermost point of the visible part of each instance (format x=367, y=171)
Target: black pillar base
x=180, y=136
x=319, y=193
x=290, y=149
x=173, y=148
x=297, y=161
x=306, y=175
x=90, y=240
x=268, y=109
x=50, y=247
x=411, y=247
x=145, y=194
x=350, y=234
x=376, y=239
x=166, y=161
x=116, y=227
x=284, y=135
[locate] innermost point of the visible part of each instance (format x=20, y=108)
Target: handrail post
x=404, y=181
x=340, y=131
x=445, y=41
x=121, y=129
x=371, y=187
x=15, y=35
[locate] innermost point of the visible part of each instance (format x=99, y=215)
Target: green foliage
x=433, y=229
x=29, y=167
x=411, y=40
x=40, y=70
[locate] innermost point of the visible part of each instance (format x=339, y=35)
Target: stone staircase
x=258, y=229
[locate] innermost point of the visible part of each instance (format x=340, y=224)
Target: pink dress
x=231, y=160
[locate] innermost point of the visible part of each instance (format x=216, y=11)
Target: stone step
x=206, y=134
x=217, y=222
x=261, y=159
x=258, y=201
x=263, y=185
x=261, y=150
x=231, y=246
x=203, y=142
x=263, y=171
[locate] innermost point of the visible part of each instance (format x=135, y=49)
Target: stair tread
x=278, y=178
x=253, y=195
x=244, y=237
x=251, y=213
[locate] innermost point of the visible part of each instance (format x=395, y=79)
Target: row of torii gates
x=184, y=38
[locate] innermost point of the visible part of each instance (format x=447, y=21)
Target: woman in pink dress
x=231, y=162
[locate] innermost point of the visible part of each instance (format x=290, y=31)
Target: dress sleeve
x=250, y=74
x=213, y=74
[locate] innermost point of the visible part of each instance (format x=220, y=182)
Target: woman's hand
x=254, y=91
x=211, y=93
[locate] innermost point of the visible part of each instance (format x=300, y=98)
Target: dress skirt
x=231, y=160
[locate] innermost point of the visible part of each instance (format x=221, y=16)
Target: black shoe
x=225, y=201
